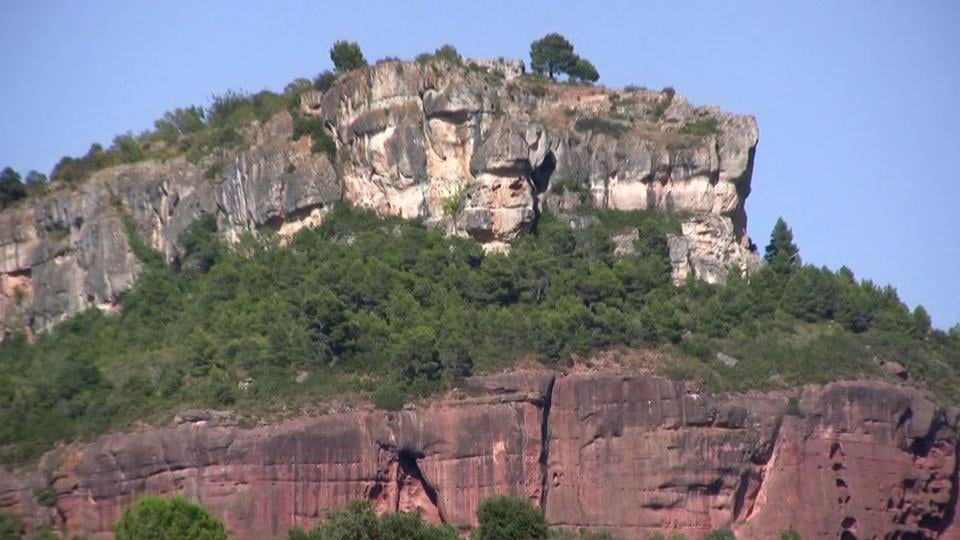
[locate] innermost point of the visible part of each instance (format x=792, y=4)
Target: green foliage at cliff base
x=368, y=308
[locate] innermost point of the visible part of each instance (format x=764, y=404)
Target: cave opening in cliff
x=407, y=460
x=541, y=174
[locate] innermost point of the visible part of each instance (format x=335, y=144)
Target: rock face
x=616, y=450
x=477, y=150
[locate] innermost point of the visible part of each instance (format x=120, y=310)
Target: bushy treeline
x=501, y=517
x=194, y=131
x=393, y=310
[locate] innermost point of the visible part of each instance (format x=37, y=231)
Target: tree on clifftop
x=552, y=54
x=346, y=56
x=156, y=518
x=583, y=70
x=11, y=187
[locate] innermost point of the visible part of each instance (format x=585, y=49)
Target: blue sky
x=858, y=102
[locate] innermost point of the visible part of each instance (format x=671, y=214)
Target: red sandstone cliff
x=618, y=450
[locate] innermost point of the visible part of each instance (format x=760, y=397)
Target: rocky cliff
x=615, y=450
x=479, y=151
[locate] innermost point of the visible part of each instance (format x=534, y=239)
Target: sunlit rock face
x=621, y=451
x=478, y=150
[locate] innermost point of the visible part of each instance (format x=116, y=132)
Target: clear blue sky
x=858, y=102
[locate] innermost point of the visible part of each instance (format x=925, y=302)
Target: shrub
x=128, y=148
x=448, y=53
x=46, y=497
x=347, y=56
x=9, y=528
x=660, y=108
x=793, y=407
x=322, y=142
x=324, y=80
x=11, y=187
x=701, y=127
x=390, y=397
x=600, y=125
x=505, y=517
x=215, y=171
x=157, y=518
x=790, y=534
x=720, y=534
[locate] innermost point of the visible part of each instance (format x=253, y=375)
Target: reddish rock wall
x=626, y=452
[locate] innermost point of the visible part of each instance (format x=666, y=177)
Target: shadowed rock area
x=628, y=452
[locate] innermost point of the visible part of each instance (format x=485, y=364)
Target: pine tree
x=782, y=254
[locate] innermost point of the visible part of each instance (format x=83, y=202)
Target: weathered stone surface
x=616, y=450
x=441, y=459
x=635, y=454
x=461, y=147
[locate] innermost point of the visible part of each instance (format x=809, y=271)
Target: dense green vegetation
x=158, y=518
x=392, y=310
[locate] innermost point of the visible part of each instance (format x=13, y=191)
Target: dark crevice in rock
x=950, y=514
x=407, y=462
x=744, y=498
x=545, y=442
x=539, y=182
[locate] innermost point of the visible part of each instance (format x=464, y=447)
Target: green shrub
x=660, y=108
x=364, y=303
x=313, y=126
x=390, y=397
x=215, y=170
x=46, y=497
x=324, y=80
x=790, y=534
x=793, y=407
x=505, y=517
x=9, y=528
x=11, y=187
x=157, y=518
x=600, y=125
x=720, y=534
x=347, y=56
x=701, y=126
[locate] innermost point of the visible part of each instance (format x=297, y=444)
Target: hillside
x=370, y=248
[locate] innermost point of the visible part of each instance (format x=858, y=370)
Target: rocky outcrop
x=477, y=150
x=615, y=450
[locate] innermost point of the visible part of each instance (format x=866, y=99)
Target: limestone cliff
x=615, y=450
x=478, y=151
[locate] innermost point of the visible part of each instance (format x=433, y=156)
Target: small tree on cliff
x=11, y=187
x=552, y=54
x=156, y=518
x=584, y=71
x=346, y=56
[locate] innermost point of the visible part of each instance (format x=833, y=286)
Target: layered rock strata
x=478, y=150
x=620, y=451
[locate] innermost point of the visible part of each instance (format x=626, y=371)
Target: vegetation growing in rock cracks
x=393, y=310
